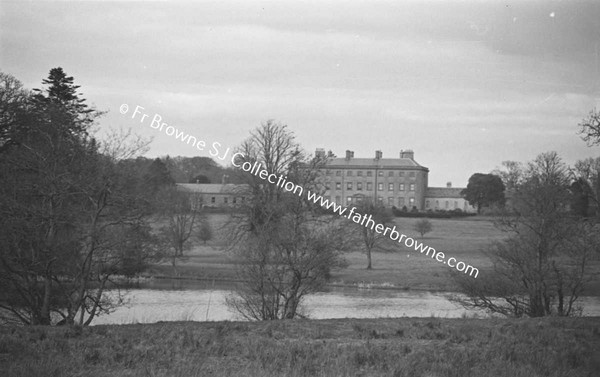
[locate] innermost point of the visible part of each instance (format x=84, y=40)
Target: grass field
x=465, y=239
x=405, y=347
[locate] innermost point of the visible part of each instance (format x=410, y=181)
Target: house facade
x=214, y=195
x=446, y=198
x=392, y=182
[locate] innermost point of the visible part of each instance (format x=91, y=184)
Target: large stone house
x=394, y=182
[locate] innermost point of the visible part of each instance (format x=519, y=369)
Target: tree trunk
x=44, y=318
x=369, y=259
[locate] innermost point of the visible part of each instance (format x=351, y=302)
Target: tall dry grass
x=368, y=347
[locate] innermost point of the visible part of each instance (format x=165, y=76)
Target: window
x=380, y=173
x=380, y=187
x=359, y=173
x=411, y=174
x=427, y=204
x=401, y=187
x=349, y=200
x=338, y=199
x=338, y=185
x=412, y=187
x=411, y=202
x=401, y=174
x=338, y=173
x=455, y=204
x=390, y=187
x=380, y=199
x=390, y=174
x=349, y=173
x=437, y=204
x=390, y=201
x=369, y=186
x=213, y=200
x=327, y=186
x=447, y=204
x=234, y=200
x=400, y=201
x=369, y=173
x=359, y=186
x=243, y=199
x=349, y=186
x=226, y=200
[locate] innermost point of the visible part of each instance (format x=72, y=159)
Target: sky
x=465, y=84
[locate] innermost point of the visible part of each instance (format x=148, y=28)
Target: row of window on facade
x=391, y=201
x=226, y=200
x=369, y=173
x=369, y=186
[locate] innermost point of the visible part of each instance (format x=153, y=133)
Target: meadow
x=466, y=239
x=403, y=347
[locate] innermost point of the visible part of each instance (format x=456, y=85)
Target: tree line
x=76, y=211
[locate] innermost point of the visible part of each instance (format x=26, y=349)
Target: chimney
x=449, y=184
x=349, y=155
x=223, y=181
x=407, y=154
x=320, y=153
x=378, y=155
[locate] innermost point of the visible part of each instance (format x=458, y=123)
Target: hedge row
x=440, y=214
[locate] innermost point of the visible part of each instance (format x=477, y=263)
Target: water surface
x=179, y=300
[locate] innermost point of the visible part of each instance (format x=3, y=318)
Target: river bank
x=345, y=347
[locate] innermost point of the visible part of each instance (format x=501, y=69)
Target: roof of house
x=381, y=163
x=443, y=192
x=212, y=188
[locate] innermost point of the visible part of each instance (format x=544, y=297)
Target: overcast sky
x=465, y=84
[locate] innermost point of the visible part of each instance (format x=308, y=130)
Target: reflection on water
x=166, y=300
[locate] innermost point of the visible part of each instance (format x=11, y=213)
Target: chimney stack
x=223, y=179
x=378, y=155
x=320, y=153
x=449, y=184
x=349, y=154
x=407, y=154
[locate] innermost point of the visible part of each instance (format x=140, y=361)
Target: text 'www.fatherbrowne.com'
x=364, y=220
x=257, y=170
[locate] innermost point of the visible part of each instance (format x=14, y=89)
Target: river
x=185, y=300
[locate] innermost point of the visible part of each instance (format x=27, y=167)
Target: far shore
x=466, y=239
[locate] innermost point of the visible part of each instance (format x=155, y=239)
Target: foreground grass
x=371, y=347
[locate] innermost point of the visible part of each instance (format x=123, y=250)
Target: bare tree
x=543, y=266
x=511, y=174
x=13, y=102
x=181, y=223
x=371, y=239
x=284, y=250
x=281, y=265
x=589, y=128
x=423, y=226
x=121, y=144
x=587, y=171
